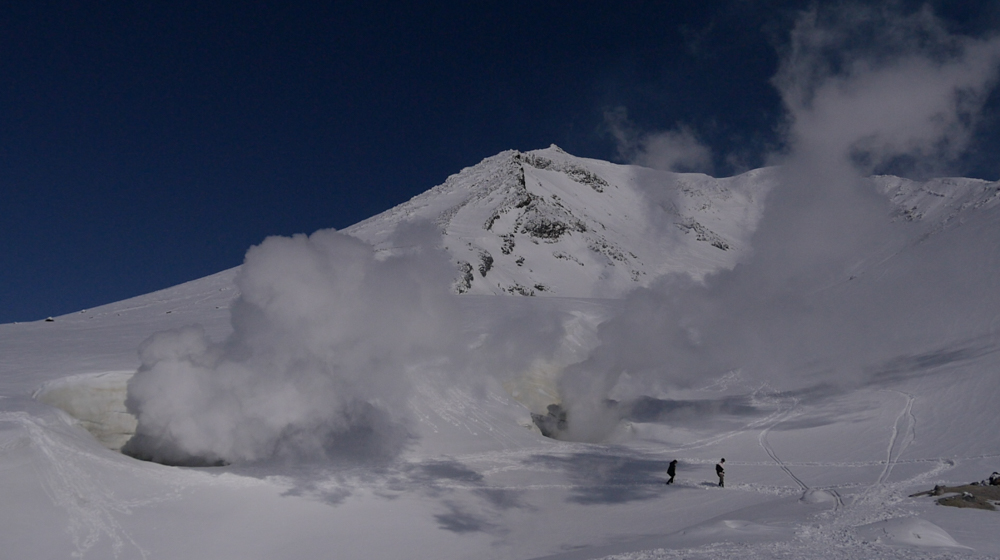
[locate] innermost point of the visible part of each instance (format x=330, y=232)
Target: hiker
x=672, y=470
x=995, y=479
x=721, y=471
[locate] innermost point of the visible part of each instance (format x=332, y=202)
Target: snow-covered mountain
x=941, y=203
x=839, y=365
x=548, y=223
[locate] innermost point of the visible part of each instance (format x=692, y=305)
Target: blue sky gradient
x=144, y=145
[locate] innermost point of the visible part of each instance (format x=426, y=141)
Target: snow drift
x=97, y=401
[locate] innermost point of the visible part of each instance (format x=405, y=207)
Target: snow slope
x=548, y=223
x=815, y=469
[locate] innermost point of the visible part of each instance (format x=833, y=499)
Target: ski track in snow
x=759, y=397
x=92, y=508
x=833, y=534
x=89, y=508
x=95, y=495
x=762, y=440
x=908, y=421
x=791, y=551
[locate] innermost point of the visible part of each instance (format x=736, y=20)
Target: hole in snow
x=96, y=401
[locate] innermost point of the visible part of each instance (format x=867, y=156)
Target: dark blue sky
x=145, y=144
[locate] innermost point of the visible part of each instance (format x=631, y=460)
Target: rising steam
x=831, y=290
x=324, y=337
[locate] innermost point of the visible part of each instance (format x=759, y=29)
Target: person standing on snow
x=672, y=470
x=721, y=471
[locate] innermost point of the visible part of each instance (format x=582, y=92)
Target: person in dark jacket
x=721, y=471
x=672, y=471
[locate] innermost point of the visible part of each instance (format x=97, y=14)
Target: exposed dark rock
x=585, y=177
x=525, y=200
x=486, y=263
x=545, y=228
x=610, y=250
x=553, y=423
x=465, y=279
x=538, y=162
x=579, y=174
x=508, y=243
x=975, y=495
x=520, y=290
x=703, y=234
x=566, y=256
x=491, y=220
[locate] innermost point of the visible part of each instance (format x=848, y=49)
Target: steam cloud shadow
x=743, y=408
x=603, y=478
x=649, y=409
x=459, y=520
x=735, y=407
x=332, y=497
x=442, y=476
x=451, y=470
x=330, y=483
x=467, y=499
x=910, y=366
x=448, y=479
x=816, y=421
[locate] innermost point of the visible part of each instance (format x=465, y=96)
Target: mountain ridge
x=513, y=217
x=488, y=218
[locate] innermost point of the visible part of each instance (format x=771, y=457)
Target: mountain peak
x=545, y=222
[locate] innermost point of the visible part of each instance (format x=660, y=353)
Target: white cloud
x=673, y=150
x=883, y=90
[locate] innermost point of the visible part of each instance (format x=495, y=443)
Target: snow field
x=804, y=479
x=821, y=457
